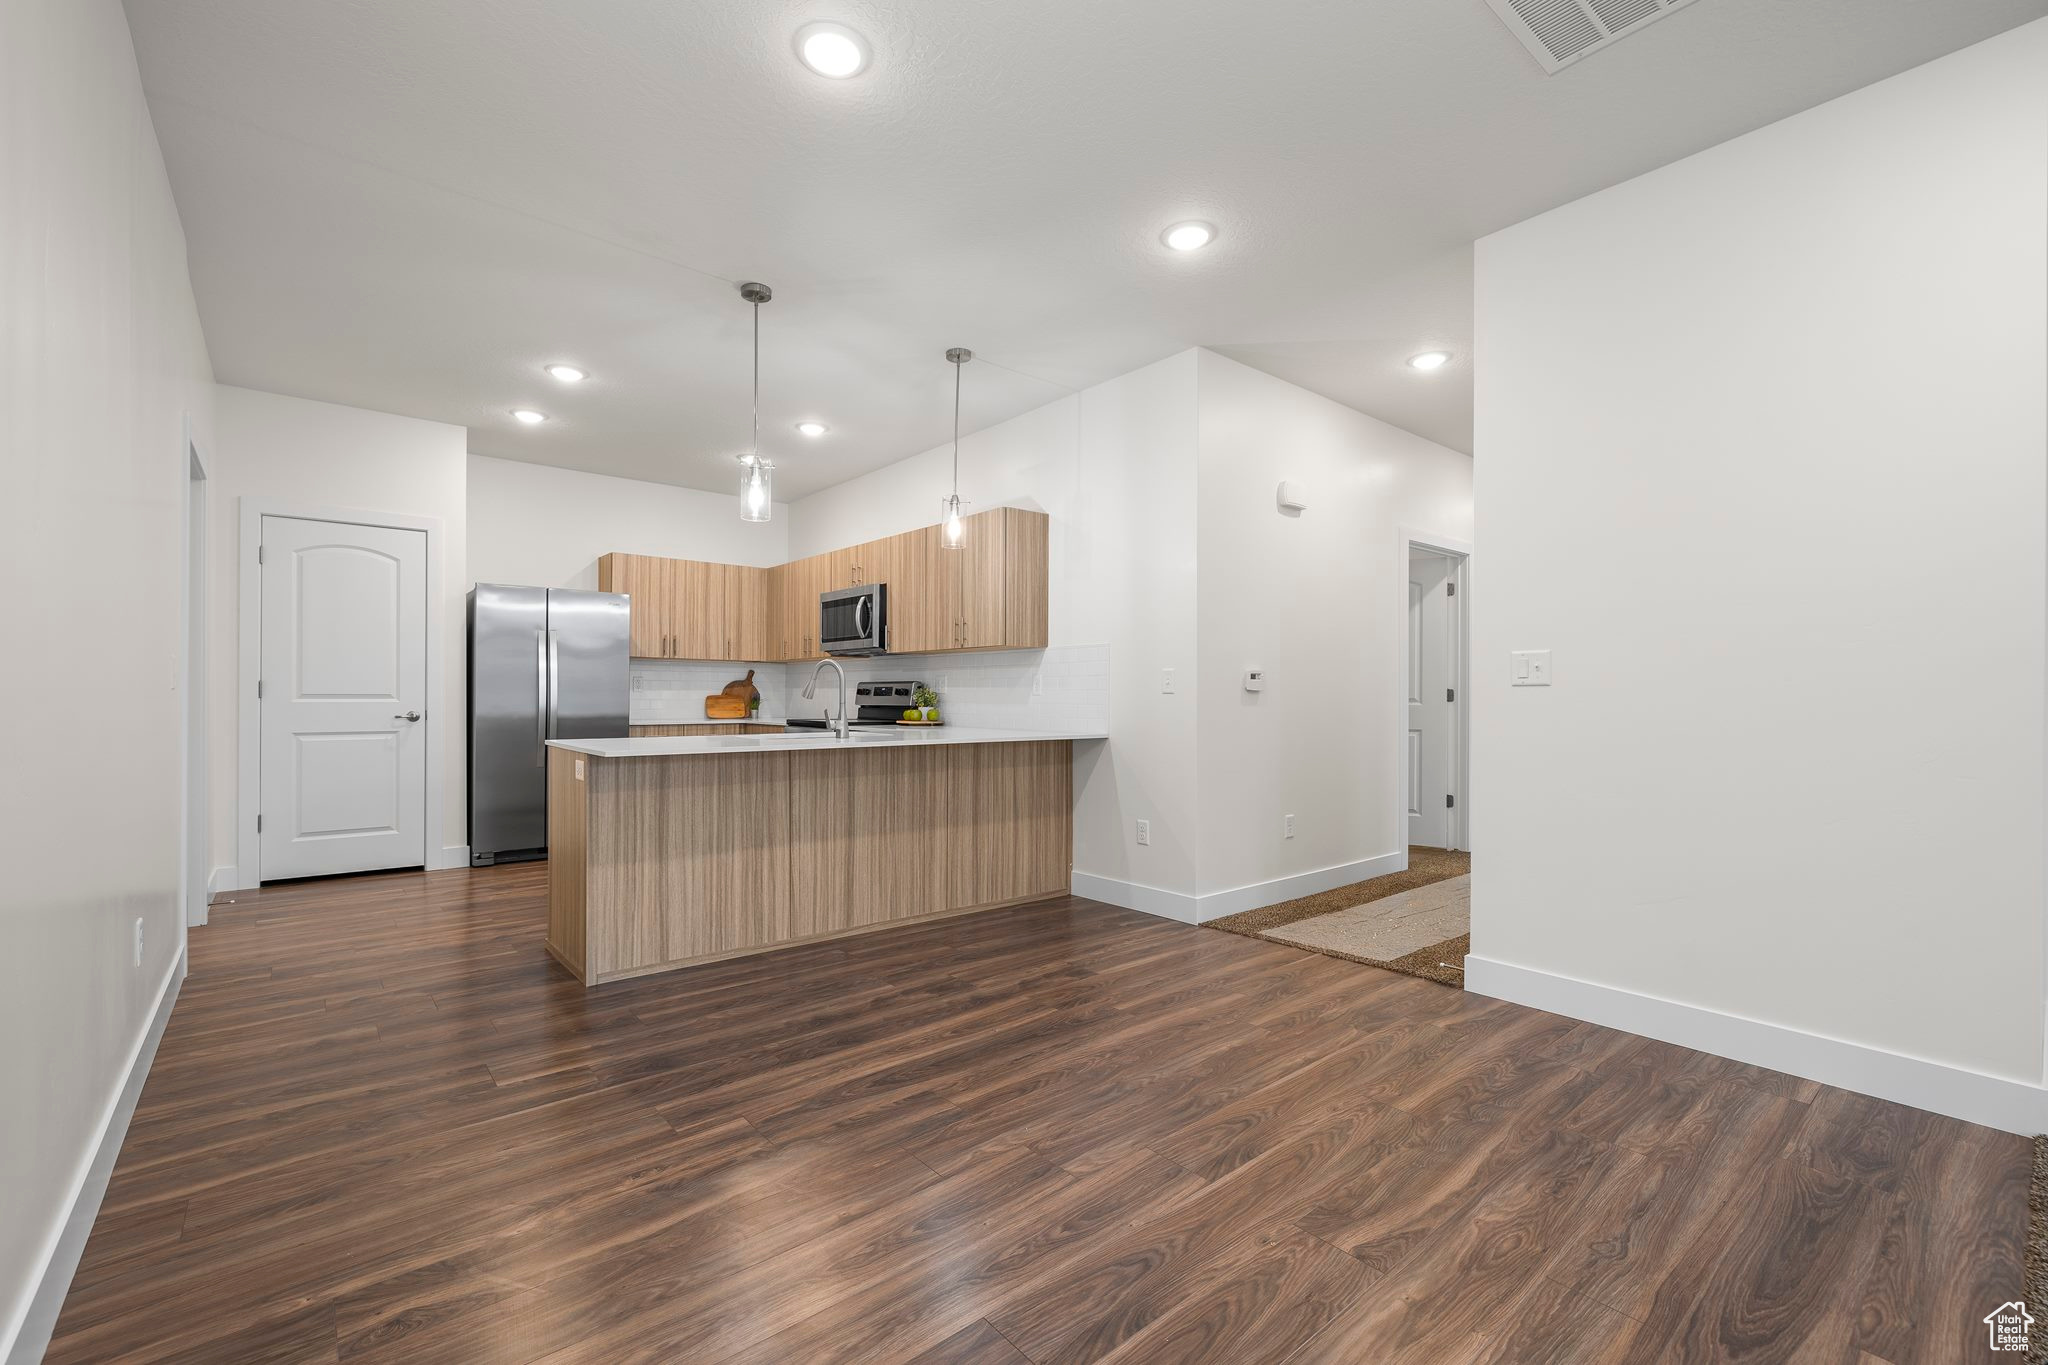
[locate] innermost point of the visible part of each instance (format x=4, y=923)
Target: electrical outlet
x=1289, y=828
x=1145, y=832
x=138, y=943
x=1166, y=681
x=1038, y=684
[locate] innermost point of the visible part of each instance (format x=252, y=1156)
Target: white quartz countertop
x=900, y=736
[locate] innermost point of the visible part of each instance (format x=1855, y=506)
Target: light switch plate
x=1531, y=668
x=1166, y=681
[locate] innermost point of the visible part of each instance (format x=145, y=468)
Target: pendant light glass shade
x=952, y=520
x=757, y=475
x=757, y=489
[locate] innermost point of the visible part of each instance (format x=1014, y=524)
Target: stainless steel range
x=875, y=704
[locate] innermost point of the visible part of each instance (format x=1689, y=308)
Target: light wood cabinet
x=989, y=594
x=1003, y=570
x=659, y=862
x=644, y=578
x=924, y=594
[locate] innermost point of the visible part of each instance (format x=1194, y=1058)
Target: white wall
x=1168, y=552
x=1319, y=603
x=1114, y=468
x=1761, y=457
x=545, y=527
x=101, y=360
x=270, y=446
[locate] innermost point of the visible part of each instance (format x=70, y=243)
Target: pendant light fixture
x=757, y=474
x=953, y=534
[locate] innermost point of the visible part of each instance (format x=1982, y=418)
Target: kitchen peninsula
x=666, y=852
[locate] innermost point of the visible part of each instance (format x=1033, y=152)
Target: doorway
x=1435, y=689
x=338, y=624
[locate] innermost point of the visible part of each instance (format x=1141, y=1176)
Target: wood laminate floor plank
x=384, y=1126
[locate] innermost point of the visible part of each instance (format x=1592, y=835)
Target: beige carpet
x=1417, y=921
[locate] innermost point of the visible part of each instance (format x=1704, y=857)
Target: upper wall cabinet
x=687, y=609
x=989, y=594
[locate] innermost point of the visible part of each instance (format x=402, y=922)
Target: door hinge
x=1450, y=802
x=259, y=824
x=259, y=554
x=259, y=689
x=1450, y=589
x=1450, y=694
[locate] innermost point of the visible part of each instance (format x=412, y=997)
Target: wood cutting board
x=735, y=701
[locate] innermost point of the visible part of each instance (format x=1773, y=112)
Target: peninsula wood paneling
x=692, y=857
x=568, y=862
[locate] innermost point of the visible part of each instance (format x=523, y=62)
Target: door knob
x=410, y=715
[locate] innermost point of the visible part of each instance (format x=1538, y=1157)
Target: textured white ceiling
x=414, y=206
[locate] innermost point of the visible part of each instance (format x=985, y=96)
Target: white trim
x=454, y=855
x=1152, y=900
x=1178, y=905
x=223, y=880
x=249, y=626
x=1458, y=829
x=1973, y=1096
x=26, y=1333
x=192, y=684
x=1238, y=899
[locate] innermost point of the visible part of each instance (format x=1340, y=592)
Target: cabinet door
x=698, y=625
x=1003, y=580
x=645, y=579
x=775, y=595
x=746, y=610
x=841, y=568
x=924, y=594
x=810, y=577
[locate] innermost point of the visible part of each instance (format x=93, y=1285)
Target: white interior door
x=1431, y=716
x=344, y=697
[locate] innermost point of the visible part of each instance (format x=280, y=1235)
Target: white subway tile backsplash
x=1066, y=686
x=992, y=690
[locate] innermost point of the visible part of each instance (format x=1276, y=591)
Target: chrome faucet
x=839, y=727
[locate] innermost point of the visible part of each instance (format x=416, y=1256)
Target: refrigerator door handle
x=554, y=682
x=540, y=704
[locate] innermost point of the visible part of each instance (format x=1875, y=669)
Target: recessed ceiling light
x=568, y=374
x=1430, y=360
x=529, y=416
x=1188, y=236
x=812, y=428
x=832, y=50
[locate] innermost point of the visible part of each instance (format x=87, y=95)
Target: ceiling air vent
x=1559, y=32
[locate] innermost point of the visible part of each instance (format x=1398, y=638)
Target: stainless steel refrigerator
x=544, y=663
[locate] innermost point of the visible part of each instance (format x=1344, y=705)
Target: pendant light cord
x=956, y=431
x=755, y=444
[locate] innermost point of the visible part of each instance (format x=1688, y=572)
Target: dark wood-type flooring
x=384, y=1126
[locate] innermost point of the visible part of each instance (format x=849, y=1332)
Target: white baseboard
x=455, y=855
x=1994, y=1101
x=1152, y=900
x=1178, y=905
x=223, y=880
x=1216, y=904
x=24, y=1338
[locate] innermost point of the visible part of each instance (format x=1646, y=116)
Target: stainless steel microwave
x=854, y=620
